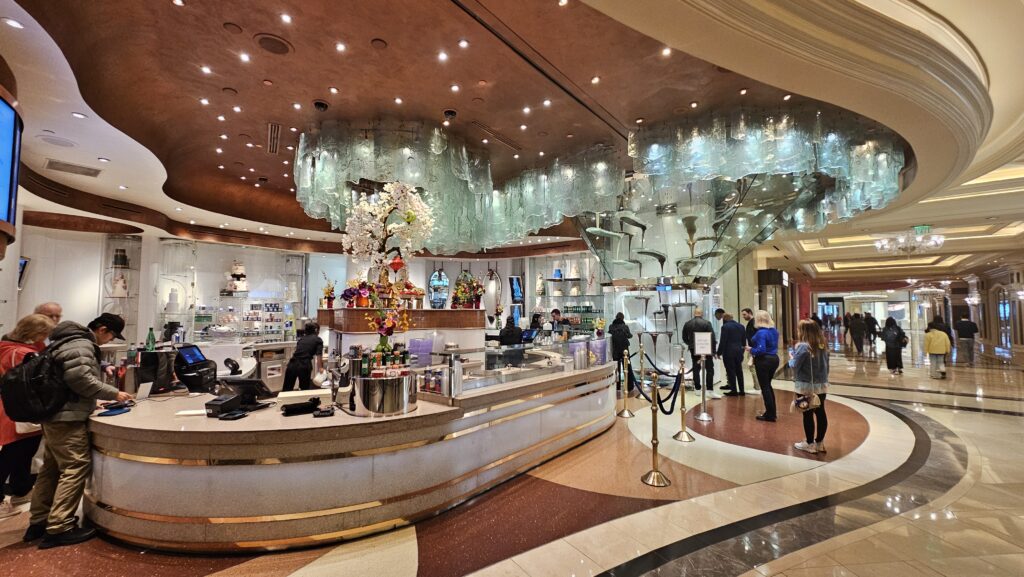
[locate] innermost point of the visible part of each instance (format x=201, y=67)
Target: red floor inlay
x=734, y=423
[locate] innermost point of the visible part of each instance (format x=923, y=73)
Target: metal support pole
x=683, y=436
x=625, y=413
x=654, y=477
x=704, y=416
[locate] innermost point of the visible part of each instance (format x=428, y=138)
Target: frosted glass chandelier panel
x=469, y=213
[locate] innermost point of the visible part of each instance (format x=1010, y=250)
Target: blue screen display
x=10, y=146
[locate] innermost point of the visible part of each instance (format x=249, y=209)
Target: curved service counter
x=269, y=482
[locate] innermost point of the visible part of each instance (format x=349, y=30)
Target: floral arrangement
x=467, y=291
x=398, y=216
x=356, y=289
x=409, y=289
x=599, y=325
x=328, y=286
x=387, y=319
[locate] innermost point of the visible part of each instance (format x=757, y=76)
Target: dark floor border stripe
x=653, y=559
x=930, y=391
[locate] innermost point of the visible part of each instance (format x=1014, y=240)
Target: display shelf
x=122, y=256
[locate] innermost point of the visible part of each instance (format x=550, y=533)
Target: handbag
x=808, y=402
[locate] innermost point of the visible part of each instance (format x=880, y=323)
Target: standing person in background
x=810, y=377
x=817, y=320
x=764, y=347
x=18, y=448
x=67, y=458
x=965, y=331
x=895, y=339
x=847, y=317
x=308, y=355
x=731, y=346
x=537, y=321
x=748, y=317
x=872, y=325
x=619, y=332
x=941, y=325
x=857, y=329
x=698, y=324
x=937, y=346
x=52, y=310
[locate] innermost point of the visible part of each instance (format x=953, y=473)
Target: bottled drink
x=150, y=340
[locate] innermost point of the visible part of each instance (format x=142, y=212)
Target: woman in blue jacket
x=764, y=347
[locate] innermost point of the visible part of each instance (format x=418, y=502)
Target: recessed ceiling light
x=236, y=108
x=220, y=117
x=244, y=57
x=292, y=189
x=693, y=104
x=103, y=159
x=220, y=226
x=787, y=97
x=252, y=170
x=485, y=141
x=257, y=185
x=291, y=234
x=244, y=177
x=296, y=105
x=220, y=150
x=205, y=70
x=666, y=51
x=547, y=102
x=446, y=123
x=13, y=23
x=204, y=101
x=455, y=87
x=333, y=90
x=286, y=19
x=595, y=80
x=220, y=166
x=223, y=136
x=639, y=121
x=284, y=162
x=307, y=238
x=515, y=156
x=522, y=127
x=78, y=115
x=191, y=221
x=570, y=135
x=563, y=2
x=398, y=100
x=290, y=147
x=339, y=46
x=285, y=175
x=177, y=209
x=541, y=153
x=248, y=145
x=178, y=2
x=743, y=91
x=293, y=129
x=463, y=43
x=122, y=187
x=442, y=56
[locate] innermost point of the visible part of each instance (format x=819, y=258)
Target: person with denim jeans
x=810, y=377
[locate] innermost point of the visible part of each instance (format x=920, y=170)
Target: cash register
x=194, y=370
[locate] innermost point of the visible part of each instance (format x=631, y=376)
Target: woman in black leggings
x=764, y=347
x=810, y=377
x=307, y=356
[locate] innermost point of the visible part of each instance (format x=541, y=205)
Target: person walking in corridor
x=872, y=325
x=730, y=348
x=937, y=346
x=764, y=347
x=858, y=328
x=895, y=339
x=966, y=329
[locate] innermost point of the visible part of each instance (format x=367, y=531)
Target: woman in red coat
x=17, y=448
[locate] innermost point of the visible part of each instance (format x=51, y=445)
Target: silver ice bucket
x=381, y=397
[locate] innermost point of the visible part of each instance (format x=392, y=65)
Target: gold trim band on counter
x=607, y=381
x=356, y=507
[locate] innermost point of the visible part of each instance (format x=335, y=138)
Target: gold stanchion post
x=683, y=436
x=654, y=477
x=625, y=413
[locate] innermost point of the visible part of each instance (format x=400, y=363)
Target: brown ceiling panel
x=77, y=223
x=138, y=65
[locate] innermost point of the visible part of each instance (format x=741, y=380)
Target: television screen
x=10, y=147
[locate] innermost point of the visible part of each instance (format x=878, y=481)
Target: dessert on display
x=237, y=282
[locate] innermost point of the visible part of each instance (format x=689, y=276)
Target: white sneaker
x=8, y=510
x=820, y=447
x=806, y=447
x=714, y=395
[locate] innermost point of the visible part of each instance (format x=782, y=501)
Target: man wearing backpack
x=67, y=460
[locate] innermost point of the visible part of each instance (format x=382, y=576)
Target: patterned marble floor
x=922, y=477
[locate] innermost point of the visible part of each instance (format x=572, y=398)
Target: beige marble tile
x=890, y=569
x=608, y=545
x=392, y=554
x=556, y=559
x=865, y=551
x=833, y=571
x=957, y=566
x=968, y=536
x=506, y=568
x=1000, y=523
x=984, y=497
x=651, y=528
x=1012, y=564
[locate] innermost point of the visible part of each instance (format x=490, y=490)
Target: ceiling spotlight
x=291, y=189
x=563, y=2
x=296, y=105
x=205, y=70
x=103, y=159
x=293, y=129
x=284, y=162
x=463, y=43
x=787, y=97
x=252, y=170
x=515, y=156
x=220, y=166
x=333, y=90
x=442, y=56
x=248, y=145
x=339, y=46
x=243, y=57
x=522, y=127
x=220, y=150
x=223, y=136
x=595, y=80
x=244, y=177
x=236, y=108
x=541, y=153
x=743, y=91
x=203, y=101
x=257, y=185
x=290, y=147
x=455, y=87
x=485, y=141
x=286, y=19
x=13, y=23
x=122, y=187
x=446, y=123
x=693, y=104
x=666, y=51
x=191, y=221
x=220, y=117
x=220, y=226
x=398, y=100
x=178, y=2
x=78, y=115
x=286, y=175
x=526, y=110
x=177, y=209
x=547, y=102
x=639, y=121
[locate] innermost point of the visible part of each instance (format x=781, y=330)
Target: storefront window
x=1003, y=315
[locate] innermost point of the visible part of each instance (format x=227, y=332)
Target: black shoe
x=732, y=394
x=69, y=537
x=34, y=532
x=766, y=418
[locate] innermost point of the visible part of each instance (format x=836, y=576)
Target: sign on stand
x=702, y=344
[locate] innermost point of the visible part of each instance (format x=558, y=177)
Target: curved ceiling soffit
x=842, y=53
x=70, y=197
x=77, y=223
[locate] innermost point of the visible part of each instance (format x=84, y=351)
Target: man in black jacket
x=698, y=324
x=965, y=331
x=748, y=315
x=731, y=348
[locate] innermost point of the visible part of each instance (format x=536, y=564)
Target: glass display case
x=176, y=291
x=122, y=256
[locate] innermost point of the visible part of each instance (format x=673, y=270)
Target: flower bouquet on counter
x=599, y=325
x=468, y=292
x=357, y=293
x=328, y=290
x=388, y=318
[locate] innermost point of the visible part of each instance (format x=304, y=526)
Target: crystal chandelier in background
x=918, y=240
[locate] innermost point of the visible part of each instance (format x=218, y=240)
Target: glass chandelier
x=918, y=240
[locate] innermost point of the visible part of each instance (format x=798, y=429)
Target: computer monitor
x=191, y=354
x=251, y=390
x=156, y=367
x=529, y=335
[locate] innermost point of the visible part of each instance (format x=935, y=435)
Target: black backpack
x=35, y=390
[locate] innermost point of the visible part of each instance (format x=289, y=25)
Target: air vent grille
x=61, y=166
x=497, y=136
x=273, y=137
